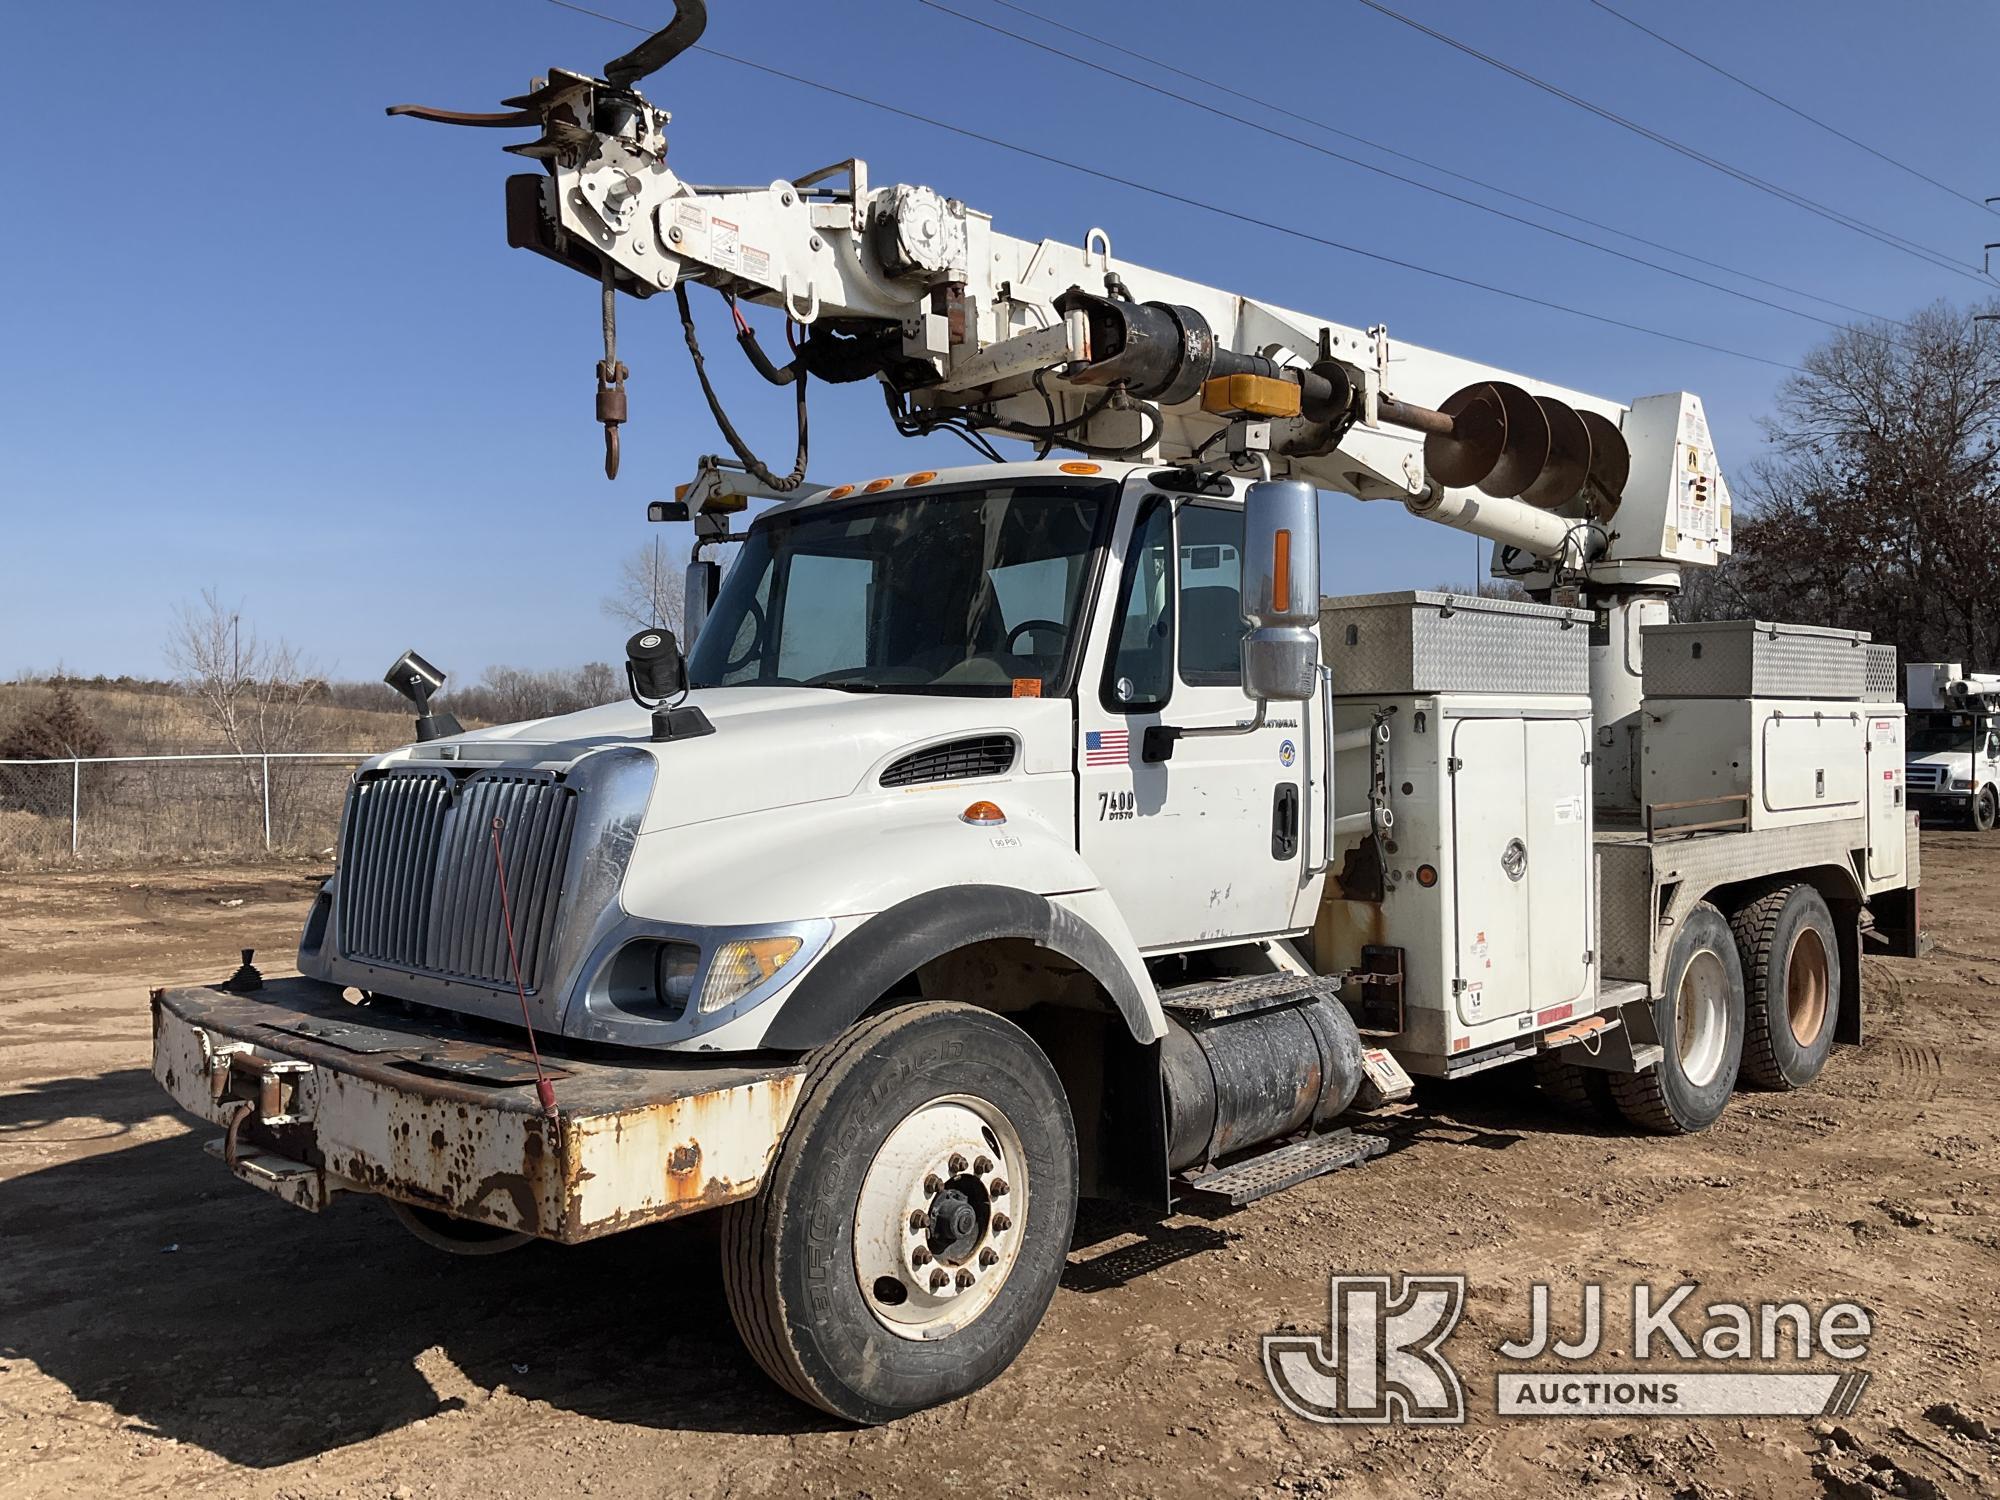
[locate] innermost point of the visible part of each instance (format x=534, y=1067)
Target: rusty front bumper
x=318, y=1096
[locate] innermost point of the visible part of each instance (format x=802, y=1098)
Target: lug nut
x=997, y=1187
x=983, y=1165
x=956, y=1164
x=989, y=1256
x=921, y=1256
x=964, y=1280
x=939, y=1281
x=1001, y=1223
x=919, y=1221
x=931, y=1183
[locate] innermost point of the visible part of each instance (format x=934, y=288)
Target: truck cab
x=1953, y=767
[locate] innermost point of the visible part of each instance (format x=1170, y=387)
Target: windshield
x=972, y=589
x=1930, y=741
x=1932, y=730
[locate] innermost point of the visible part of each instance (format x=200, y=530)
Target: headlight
x=674, y=967
x=742, y=964
x=1961, y=783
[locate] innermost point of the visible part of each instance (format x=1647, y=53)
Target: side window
x=1211, y=574
x=1139, y=669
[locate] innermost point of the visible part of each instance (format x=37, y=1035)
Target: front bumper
x=317, y=1096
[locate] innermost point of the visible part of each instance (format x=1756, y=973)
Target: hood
x=772, y=747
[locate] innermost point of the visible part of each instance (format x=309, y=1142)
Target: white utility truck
x=1953, y=765
x=1035, y=830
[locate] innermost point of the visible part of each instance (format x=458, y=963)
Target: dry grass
x=163, y=723
x=178, y=812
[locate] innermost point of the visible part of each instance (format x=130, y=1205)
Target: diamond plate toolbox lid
x=1429, y=641
x=1753, y=659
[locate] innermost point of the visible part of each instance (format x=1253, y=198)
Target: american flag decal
x=1106, y=747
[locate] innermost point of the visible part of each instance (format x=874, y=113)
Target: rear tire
x=1985, y=811
x=1791, y=965
x=1587, y=1091
x=1700, y=1025
x=930, y=1141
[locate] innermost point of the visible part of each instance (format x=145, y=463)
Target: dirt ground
x=164, y=1330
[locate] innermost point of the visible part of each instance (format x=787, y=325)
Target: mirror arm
x=1160, y=739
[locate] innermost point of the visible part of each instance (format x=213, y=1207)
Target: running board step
x=1283, y=1167
x=1212, y=999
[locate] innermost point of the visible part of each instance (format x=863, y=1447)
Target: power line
x=1327, y=151
x=1811, y=119
x=1441, y=169
x=1925, y=253
x=1169, y=195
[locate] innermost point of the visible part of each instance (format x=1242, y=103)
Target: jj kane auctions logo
x=1383, y=1359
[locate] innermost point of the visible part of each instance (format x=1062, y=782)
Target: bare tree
x=649, y=588
x=1879, y=506
x=253, y=693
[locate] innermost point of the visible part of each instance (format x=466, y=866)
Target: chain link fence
x=142, y=808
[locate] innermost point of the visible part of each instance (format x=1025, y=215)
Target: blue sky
x=256, y=336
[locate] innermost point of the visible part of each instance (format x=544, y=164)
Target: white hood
x=772, y=746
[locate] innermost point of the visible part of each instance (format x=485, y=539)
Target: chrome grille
x=417, y=880
x=1924, y=778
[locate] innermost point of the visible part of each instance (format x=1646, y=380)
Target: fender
x=896, y=942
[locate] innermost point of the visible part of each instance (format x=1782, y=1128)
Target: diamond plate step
x=1285, y=1167
x=1213, y=999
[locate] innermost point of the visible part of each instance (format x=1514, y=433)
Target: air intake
x=956, y=760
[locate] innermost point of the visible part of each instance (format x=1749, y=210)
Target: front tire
x=1985, y=812
x=1700, y=1022
x=1791, y=962
x=915, y=1220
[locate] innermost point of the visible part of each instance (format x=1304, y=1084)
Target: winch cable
x=544, y=1089
x=749, y=459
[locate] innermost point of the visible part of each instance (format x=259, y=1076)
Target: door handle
x=1285, y=821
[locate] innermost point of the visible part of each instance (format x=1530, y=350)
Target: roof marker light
x=876, y=486
x=1079, y=467
x=840, y=492
x=922, y=476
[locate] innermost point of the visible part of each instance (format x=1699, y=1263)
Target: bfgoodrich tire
x=1700, y=1024
x=1791, y=971
x=915, y=1220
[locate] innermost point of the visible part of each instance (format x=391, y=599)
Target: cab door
x=1208, y=844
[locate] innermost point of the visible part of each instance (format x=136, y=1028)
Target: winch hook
x=611, y=373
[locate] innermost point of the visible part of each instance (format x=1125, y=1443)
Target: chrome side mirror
x=1280, y=590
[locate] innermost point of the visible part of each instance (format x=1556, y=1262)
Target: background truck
x=1034, y=831
x=1954, y=744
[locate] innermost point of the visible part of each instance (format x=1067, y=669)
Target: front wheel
x=1985, y=809
x=1700, y=1023
x=915, y=1220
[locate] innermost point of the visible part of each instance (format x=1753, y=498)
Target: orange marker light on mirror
x=983, y=815
x=1281, y=573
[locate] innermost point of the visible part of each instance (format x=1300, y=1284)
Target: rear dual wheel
x=1791, y=963
x=915, y=1220
x=1700, y=1022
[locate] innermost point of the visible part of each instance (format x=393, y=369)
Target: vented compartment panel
x=957, y=760
x=418, y=884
